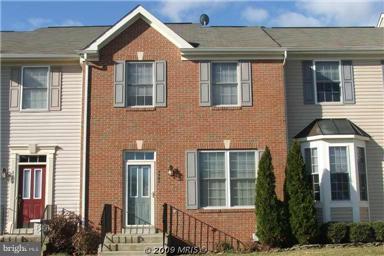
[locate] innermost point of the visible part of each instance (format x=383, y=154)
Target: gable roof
x=129, y=19
x=339, y=126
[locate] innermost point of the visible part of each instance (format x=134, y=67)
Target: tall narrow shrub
x=302, y=212
x=270, y=228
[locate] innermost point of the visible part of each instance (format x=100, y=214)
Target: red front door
x=31, y=194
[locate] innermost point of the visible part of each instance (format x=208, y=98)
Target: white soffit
x=129, y=19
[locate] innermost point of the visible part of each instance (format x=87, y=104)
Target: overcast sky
x=29, y=15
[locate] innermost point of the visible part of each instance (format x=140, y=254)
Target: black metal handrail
x=189, y=229
x=50, y=211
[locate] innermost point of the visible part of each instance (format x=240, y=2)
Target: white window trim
x=341, y=102
x=41, y=183
x=153, y=84
x=227, y=179
x=22, y=89
x=238, y=74
x=30, y=177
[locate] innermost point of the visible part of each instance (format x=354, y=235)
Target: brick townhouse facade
x=180, y=126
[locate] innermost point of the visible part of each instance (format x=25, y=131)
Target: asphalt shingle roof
x=66, y=40
x=328, y=38
x=55, y=40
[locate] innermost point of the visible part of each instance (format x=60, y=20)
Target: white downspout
x=84, y=151
x=285, y=57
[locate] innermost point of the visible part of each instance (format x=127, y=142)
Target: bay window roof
x=339, y=126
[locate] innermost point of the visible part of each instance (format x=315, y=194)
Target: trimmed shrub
x=302, y=212
x=86, y=241
x=270, y=228
x=60, y=231
x=378, y=230
x=337, y=232
x=360, y=233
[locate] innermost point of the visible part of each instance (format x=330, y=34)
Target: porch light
x=171, y=171
x=6, y=174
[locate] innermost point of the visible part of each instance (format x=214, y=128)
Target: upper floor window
x=227, y=178
x=312, y=168
x=224, y=84
x=339, y=168
x=328, y=82
x=35, y=88
x=140, y=84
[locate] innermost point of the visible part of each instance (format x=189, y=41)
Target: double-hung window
x=312, y=168
x=339, y=168
x=35, y=88
x=140, y=84
x=227, y=178
x=225, y=84
x=361, y=166
x=328, y=84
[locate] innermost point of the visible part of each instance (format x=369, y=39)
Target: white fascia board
x=30, y=56
x=128, y=20
x=334, y=137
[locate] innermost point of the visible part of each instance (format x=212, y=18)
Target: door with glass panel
x=30, y=198
x=138, y=194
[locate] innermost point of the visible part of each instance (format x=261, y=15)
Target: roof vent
x=204, y=19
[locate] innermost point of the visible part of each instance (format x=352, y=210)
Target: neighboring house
x=180, y=114
x=41, y=122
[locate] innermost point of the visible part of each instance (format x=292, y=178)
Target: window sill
x=140, y=109
x=219, y=108
x=225, y=210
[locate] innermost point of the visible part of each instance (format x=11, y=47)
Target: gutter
x=28, y=56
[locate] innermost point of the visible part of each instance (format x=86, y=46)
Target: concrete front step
x=139, y=230
x=131, y=246
x=19, y=238
x=123, y=238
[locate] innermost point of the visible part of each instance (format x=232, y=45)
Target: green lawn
x=355, y=251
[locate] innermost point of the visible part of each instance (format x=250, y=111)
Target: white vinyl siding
x=61, y=128
x=367, y=113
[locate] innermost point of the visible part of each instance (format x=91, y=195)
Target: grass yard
x=354, y=251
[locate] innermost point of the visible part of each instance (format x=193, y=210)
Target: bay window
x=338, y=163
x=311, y=165
x=362, y=174
x=227, y=178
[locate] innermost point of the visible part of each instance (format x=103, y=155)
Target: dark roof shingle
x=339, y=126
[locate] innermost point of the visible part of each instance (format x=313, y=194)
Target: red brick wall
x=182, y=125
